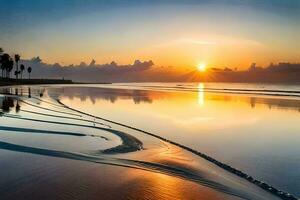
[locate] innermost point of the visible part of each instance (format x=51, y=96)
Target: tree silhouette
x=16, y=73
x=22, y=68
x=6, y=62
x=2, y=65
x=17, y=59
x=29, y=69
x=10, y=66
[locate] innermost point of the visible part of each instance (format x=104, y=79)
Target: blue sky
x=69, y=31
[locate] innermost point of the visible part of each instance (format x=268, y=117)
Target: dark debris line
x=265, y=186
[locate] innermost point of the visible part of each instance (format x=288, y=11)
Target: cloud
x=93, y=62
x=85, y=72
x=146, y=71
x=200, y=42
x=212, y=40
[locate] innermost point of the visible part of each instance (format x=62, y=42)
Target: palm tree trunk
x=17, y=70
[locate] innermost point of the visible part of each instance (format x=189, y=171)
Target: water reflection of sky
x=174, y=115
x=149, y=96
x=258, y=134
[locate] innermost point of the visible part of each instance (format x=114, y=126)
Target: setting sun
x=201, y=67
x=176, y=97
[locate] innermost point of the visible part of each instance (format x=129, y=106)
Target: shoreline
x=41, y=81
x=265, y=186
x=12, y=82
x=34, y=81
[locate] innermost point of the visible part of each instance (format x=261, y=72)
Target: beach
x=52, y=149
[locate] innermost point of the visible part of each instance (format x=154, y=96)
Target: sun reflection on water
x=201, y=94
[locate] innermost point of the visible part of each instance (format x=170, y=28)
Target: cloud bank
x=146, y=71
x=91, y=72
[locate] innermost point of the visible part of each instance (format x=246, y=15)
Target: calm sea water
x=49, y=150
x=253, y=127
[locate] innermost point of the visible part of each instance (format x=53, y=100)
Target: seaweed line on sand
x=263, y=185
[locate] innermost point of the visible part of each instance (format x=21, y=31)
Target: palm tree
x=10, y=66
x=16, y=73
x=22, y=68
x=5, y=62
x=1, y=65
x=17, y=59
x=1, y=60
x=29, y=69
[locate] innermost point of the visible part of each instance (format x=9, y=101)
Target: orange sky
x=180, y=35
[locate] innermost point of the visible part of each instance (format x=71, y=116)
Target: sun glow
x=201, y=67
x=201, y=94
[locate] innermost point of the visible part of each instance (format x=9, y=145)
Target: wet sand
x=59, y=153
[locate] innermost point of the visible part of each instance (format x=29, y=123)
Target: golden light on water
x=201, y=67
x=201, y=94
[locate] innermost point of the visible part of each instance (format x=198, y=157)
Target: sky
x=220, y=33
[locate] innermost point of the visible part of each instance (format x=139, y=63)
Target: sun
x=202, y=67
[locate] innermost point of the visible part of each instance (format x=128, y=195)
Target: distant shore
x=6, y=82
